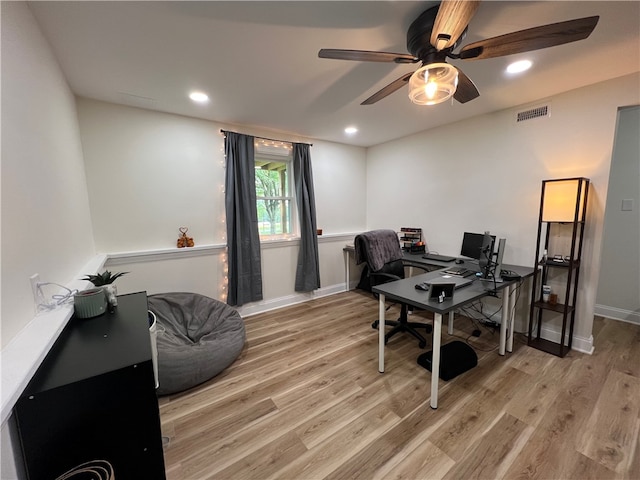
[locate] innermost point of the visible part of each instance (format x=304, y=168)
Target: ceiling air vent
x=531, y=113
x=137, y=100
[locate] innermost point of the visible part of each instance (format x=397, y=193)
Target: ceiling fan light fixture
x=433, y=83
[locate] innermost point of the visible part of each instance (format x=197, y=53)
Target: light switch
x=627, y=205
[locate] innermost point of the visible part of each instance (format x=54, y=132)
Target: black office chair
x=381, y=251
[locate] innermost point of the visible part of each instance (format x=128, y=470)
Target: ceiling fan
x=437, y=32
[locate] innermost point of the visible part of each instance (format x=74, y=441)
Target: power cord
x=56, y=299
x=475, y=346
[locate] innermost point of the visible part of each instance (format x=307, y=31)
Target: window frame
x=266, y=153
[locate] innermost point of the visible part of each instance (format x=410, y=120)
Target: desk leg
x=506, y=320
x=381, y=334
x=435, y=358
x=347, y=277
x=450, y=323
x=512, y=320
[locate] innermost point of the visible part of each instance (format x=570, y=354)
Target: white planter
x=90, y=303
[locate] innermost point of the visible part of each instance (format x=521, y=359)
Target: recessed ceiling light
x=519, y=66
x=199, y=97
x=350, y=130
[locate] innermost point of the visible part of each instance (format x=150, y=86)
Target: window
x=274, y=189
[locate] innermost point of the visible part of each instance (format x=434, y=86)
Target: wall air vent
x=531, y=113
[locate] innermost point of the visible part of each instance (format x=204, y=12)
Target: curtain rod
x=265, y=138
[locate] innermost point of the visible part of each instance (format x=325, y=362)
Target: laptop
x=460, y=271
x=458, y=281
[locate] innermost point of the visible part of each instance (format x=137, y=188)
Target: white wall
x=149, y=173
x=485, y=173
x=619, y=281
x=46, y=227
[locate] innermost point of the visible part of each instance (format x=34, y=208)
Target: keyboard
x=440, y=258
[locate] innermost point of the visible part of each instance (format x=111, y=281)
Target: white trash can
x=153, y=333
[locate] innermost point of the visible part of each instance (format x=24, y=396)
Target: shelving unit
x=411, y=239
x=93, y=399
x=563, y=206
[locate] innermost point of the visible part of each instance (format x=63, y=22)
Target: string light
x=263, y=142
x=222, y=257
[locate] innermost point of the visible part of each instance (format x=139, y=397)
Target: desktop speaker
x=455, y=358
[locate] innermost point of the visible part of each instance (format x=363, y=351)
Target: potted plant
x=105, y=281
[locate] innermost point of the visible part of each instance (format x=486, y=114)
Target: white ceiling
x=258, y=61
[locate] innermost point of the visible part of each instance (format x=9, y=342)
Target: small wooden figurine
x=183, y=240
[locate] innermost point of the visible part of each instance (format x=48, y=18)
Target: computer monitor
x=473, y=243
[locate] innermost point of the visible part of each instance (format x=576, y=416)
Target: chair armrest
x=390, y=276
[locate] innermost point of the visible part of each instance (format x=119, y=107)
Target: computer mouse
x=422, y=286
x=459, y=261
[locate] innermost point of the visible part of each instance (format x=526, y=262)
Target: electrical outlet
x=35, y=279
x=37, y=296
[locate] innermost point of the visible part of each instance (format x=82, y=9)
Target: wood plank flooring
x=305, y=401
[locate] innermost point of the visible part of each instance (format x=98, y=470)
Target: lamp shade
x=561, y=199
x=433, y=83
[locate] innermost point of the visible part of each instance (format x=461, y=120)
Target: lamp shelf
x=551, y=263
x=558, y=307
x=563, y=222
x=547, y=346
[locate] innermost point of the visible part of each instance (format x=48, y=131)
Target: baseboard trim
x=288, y=300
x=580, y=344
x=627, y=316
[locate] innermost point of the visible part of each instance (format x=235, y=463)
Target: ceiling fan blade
x=466, y=90
x=453, y=17
x=531, y=39
x=388, y=90
x=366, y=56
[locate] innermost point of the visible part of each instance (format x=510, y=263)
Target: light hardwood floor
x=305, y=401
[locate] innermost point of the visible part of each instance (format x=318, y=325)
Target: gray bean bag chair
x=201, y=337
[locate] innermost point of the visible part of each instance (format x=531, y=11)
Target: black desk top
x=404, y=290
x=93, y=346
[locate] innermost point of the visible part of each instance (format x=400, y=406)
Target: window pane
x=274, y=216
x=274, y=198
x=272, y=180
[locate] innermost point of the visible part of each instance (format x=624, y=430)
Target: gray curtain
x=243, y=239
x=308, y=269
